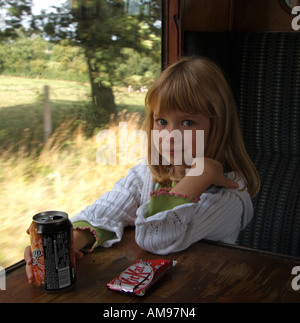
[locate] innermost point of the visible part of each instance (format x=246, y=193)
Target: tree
x=12, y=15
x=103, y=28
x=137, y=70
x=23, y=55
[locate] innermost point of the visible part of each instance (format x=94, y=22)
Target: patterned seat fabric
x=264, y=71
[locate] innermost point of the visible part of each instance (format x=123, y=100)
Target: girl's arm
x=194, y=185
x=114, y=210
x=219, y=214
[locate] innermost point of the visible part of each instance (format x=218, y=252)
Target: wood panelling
x=257, y=15
x=206, y=15
x=236, y=15
x=172, y=34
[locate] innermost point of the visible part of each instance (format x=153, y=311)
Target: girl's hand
x=214, y=170
x=28, y=268
x=28, y=260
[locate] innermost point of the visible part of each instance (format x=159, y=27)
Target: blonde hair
x=197, y=85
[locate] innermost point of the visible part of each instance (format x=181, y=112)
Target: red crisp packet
x=141, y=275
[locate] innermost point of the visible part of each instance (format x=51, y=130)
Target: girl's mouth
x=173, y=152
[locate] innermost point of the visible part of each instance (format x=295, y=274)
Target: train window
x=84, y=53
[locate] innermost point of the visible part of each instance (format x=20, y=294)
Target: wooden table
x=205, y=272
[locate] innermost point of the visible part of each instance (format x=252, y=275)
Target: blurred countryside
x=97, y=57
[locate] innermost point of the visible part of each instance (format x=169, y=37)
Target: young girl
x=173, y=206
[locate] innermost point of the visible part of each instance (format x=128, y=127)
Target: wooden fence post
x=47, y=114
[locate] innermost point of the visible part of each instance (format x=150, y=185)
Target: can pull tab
x=50, y=218
x=57, y=217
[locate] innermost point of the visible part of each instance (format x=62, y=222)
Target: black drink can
x=52, y=247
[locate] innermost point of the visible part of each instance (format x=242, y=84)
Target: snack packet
x=140, y=276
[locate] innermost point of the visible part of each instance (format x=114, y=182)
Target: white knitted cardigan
x=219, y=215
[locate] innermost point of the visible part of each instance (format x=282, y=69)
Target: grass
x=19, y=90
x=21, y=107
x=65, y=175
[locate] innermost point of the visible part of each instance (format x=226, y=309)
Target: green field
x=64, y=175
x=21, y=106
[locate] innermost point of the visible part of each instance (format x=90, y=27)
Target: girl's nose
x=174, y=136
x=172, y=127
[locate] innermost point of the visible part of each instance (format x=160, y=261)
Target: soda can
x=52, y=247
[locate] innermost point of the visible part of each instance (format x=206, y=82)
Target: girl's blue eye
x=188, y=123
x=161, y=122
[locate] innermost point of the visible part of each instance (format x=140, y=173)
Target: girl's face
x=176, y=138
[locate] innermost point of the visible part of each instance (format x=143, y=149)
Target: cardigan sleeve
x=162, y=199
x=219, y=215
x=100, y=235
x=116, y=209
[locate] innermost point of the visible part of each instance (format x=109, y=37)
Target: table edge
x=22, y=262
